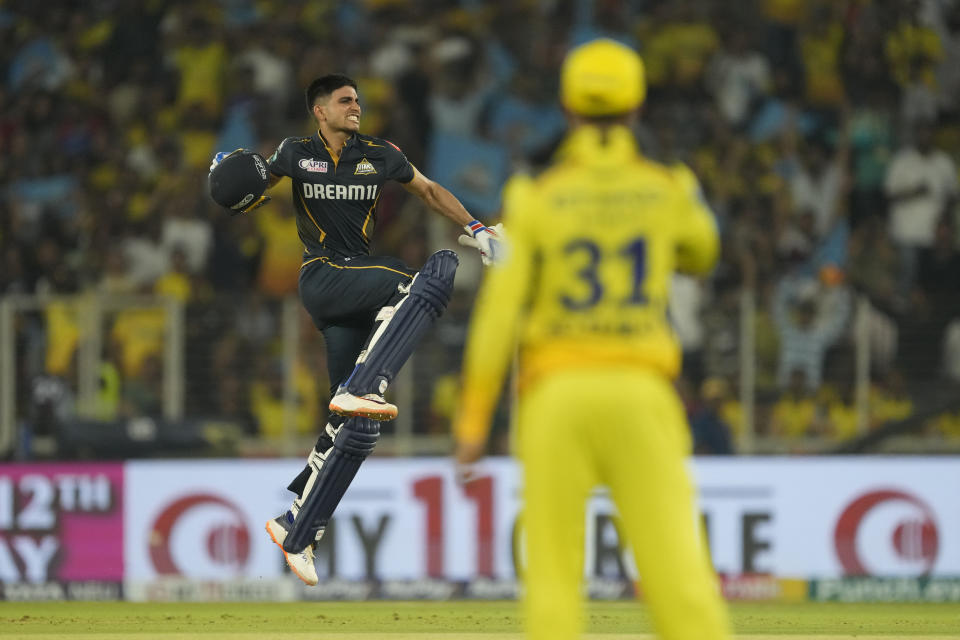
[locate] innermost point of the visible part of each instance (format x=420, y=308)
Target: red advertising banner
x=61, y=523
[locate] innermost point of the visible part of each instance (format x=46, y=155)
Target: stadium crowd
x=825, y=133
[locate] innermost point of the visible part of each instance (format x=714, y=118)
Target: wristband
x=475, y=227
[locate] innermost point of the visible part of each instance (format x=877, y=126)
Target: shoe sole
x=380, y=415
x=286, y=557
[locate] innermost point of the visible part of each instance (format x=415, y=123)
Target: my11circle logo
x=200, y=535
x=887, y=533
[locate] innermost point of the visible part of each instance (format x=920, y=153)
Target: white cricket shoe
x=371, y=406
x=300, y=563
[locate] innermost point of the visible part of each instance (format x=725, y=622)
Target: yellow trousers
x=625, y=429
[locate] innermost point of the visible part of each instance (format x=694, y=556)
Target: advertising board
x=61, y=530
x=408, y=519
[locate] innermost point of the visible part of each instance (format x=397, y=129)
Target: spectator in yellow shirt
x=795, y=414
x=201, y=61
x=176, y=282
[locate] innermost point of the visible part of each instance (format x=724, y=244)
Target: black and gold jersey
x=336, y=200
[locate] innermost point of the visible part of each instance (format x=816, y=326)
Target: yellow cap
x=601, y=78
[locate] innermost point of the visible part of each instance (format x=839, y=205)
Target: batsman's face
x=341, y=111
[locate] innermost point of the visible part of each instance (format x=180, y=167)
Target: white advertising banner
x=407, y=519
x=831, y=516
x=401, y=519
x=203, y=519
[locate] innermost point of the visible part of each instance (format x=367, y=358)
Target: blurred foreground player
x=591, y=247
x=371, y=310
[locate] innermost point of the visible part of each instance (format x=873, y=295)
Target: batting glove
x=487, y=240
x=217, y=159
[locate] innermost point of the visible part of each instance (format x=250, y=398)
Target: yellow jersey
x=592, y=244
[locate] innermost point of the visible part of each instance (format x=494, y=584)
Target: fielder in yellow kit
x=592, y=244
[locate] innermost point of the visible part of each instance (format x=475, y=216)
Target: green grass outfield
x=447, y=620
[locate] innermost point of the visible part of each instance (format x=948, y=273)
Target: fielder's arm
x=698, y=244
x=494, y=330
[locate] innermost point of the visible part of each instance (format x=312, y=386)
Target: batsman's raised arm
x=438, y=198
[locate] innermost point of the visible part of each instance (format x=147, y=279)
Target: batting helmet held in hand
x=602, y=78
x=239, y=179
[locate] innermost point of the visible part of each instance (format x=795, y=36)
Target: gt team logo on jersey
x=340, y=191
x=313, y=165
x=364, y=167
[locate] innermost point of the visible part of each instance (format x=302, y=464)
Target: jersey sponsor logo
x=364, y=168
x=340, y=191
x=313, y=165
x=261, y=168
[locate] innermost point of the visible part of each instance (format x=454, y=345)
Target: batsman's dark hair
x=325, y=85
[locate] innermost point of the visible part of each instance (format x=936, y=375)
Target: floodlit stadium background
x=160, y=375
